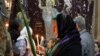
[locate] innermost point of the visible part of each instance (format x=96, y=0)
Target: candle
x=37, y=37
x=42, y=39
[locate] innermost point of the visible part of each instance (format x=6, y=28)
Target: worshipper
x=14, y=30
x=5, y=39
x=22, y=46
x=68, y=43
x=86, y=38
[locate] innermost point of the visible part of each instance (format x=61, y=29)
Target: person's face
x=55, y=29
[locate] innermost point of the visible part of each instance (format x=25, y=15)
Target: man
x=86, y=38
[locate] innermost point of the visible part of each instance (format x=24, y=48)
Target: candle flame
x=7, y=25
x=37, y=35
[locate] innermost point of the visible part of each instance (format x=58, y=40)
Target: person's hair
x=16, y=24
x=65, y=25
x=81, y=22
x=14, y=30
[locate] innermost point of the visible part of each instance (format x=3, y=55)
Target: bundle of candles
x=41, y=41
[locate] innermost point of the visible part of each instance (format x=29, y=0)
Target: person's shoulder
x=87, y=34
x=85, y=37
x=84, y=33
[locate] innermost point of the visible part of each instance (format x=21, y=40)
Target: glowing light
x=7, y=25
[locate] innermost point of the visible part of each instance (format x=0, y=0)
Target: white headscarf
x=24, y=35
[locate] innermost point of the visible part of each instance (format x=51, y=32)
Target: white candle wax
x=37, y=37
x=42, y=39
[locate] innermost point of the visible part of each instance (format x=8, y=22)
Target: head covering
x=68, y=34
x=65, y=25
x=24, y=33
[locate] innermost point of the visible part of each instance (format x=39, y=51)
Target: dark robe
x=69, y=43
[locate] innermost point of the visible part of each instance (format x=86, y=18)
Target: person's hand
x=40, y=50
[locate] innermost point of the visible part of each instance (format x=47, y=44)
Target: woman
x=22, y=46
x=69, y=38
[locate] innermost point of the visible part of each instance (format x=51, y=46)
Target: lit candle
x=42, y=39
x=6, y=25
x=37, y=37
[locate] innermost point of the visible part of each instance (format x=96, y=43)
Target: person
x=5, y=39
x=68, y=43
x=22, y=44
x=86, y=38
x=14, y=30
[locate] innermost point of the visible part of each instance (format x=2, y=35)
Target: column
x=98, y=21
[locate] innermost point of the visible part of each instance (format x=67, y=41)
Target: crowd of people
x=71, y=39
x=69, y=35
